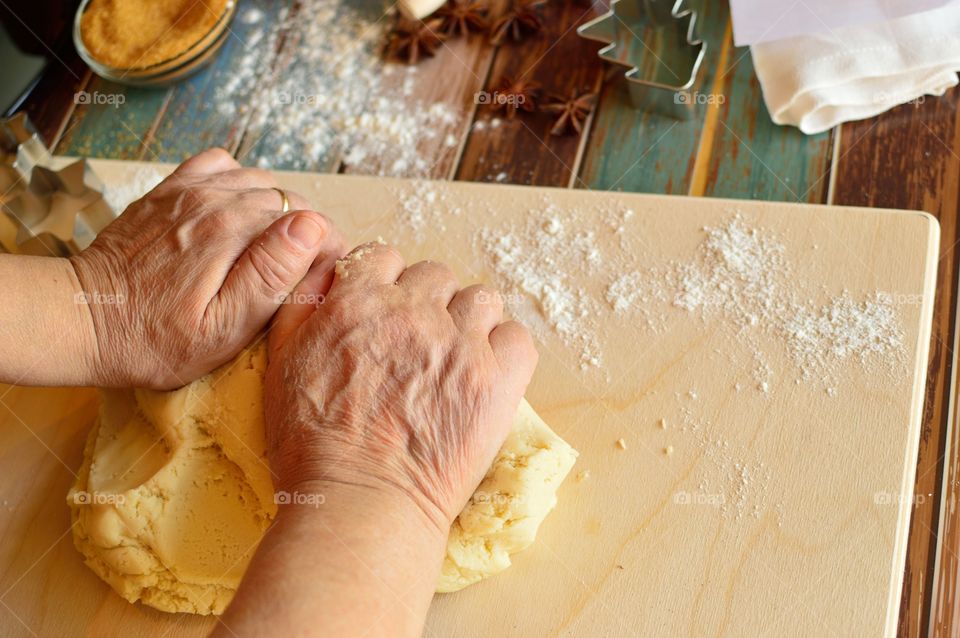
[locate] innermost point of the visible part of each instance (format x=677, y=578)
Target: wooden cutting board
x=780, y=510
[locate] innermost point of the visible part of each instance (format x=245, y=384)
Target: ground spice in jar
x=131, y=34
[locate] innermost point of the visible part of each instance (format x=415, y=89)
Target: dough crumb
x=668, y=450
x=355, y=256
x=583, y=476
x=621, y=444
x=662, y=423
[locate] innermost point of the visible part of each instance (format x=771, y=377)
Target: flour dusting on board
x=739, y=278
x=822, y=338
x=738, y=274
x=536, y=260
x=425, y=206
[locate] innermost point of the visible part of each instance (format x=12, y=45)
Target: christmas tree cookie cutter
x=619, y=30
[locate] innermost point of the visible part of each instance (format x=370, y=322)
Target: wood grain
x=51, y=101
x=751, y=157
x=633, y=151
x=114, y=129
x=192, y=121
x=522, y=150
x=599, y=552
x=908, y=157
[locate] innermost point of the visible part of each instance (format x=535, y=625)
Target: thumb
x=270, y=268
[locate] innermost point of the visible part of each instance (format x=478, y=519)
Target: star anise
x=515, y=95
x=460, y=17
x=571, y=111
x=412, y=39
x=522, y=18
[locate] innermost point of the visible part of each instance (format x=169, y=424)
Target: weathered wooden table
x=907, y=158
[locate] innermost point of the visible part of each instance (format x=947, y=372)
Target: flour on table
x=329, y=94
x=738, y=274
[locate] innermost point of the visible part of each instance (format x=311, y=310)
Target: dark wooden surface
x=907, y=158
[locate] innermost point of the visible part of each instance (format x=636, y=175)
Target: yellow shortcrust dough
x=175, y=492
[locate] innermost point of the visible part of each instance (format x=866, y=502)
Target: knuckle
x=434, y=270
x=257, y=176
x=524, y=340
x=374, y=251
x=380, y=250
x=443, y=271
x=217, y=153
x=483, y=295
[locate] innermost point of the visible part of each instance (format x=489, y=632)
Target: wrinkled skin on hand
x=398, y=381
x=189, y=274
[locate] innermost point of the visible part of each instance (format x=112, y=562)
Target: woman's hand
x=190, y=273
x=399, y=381
x=385, y=405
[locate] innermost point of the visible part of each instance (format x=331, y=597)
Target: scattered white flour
x=122, y=194
x=329, y=93
x=535, y=262
x=737, y=275
x=733, y=479
x=741, y=278
x=626, y=292
x=821, y=339
x=424, y=207
x=252, y=15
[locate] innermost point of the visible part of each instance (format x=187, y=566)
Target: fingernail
x=305, y=231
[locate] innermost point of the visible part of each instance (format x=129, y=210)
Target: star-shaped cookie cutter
x=20, y=150
x=619, y=28
x=60, y=212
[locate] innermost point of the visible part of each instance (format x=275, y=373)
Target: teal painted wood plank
x=115, y=124
x=753, y=158
x=630, y=150
x=209, y=109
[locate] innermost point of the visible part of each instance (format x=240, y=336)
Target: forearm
x=355, y=564
x=46, y=334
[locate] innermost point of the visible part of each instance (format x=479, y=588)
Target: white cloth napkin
x=815, y=82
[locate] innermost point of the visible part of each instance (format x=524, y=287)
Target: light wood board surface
x=643, y=546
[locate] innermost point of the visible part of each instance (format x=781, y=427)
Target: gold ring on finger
x=285, y=201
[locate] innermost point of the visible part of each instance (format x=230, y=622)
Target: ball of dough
x=175, y=492
x=505, y=512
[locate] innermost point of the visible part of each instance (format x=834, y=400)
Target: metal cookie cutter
x=45, y=211
x=20, y=150
x=60, y=212
x=621, y=28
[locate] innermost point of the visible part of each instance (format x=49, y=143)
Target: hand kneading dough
x=175, y=492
